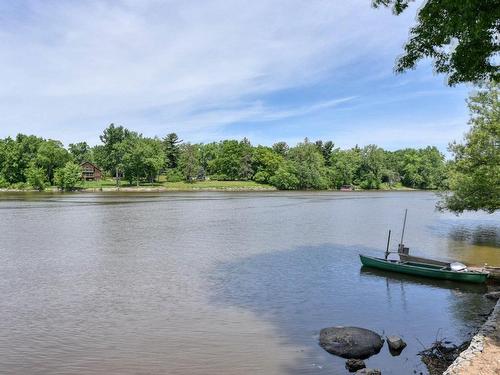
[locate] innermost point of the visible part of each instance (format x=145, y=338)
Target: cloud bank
x=200, y=68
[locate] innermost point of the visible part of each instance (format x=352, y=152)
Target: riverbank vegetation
x=126, y=157
x=129, y=158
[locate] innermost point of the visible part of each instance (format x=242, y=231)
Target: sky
x=270, y=71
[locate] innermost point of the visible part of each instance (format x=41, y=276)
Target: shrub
x=261, y=177
x=285, y=179
x=36, y=177
x=174, y=175
x=3, y=182
x=68, y=177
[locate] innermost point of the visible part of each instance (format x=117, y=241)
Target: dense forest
x=28, y=161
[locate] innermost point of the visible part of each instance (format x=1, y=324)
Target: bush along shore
x=127, y=158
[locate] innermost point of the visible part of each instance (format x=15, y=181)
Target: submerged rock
x=396, y=344
x=350, y=342
x=493, y=295
x=354, y=364
x=369, y=371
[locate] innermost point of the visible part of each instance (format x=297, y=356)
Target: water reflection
x=304, y=289
x=174, y=282
x=401, y=279
x=480, y=235
x=466, y=302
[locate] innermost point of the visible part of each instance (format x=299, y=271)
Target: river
x=224, y=283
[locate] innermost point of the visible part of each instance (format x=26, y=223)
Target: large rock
x=396, y=344
x=353, y=365
x=350, y=342
x=368, y=371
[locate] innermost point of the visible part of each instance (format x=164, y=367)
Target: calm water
x=223, y=283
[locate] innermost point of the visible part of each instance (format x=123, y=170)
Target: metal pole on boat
x=387, y=248
x=404, y=226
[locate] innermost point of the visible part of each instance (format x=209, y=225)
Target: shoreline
x=159, y=189
x=482, y=356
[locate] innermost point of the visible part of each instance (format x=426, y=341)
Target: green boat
x=423, y=269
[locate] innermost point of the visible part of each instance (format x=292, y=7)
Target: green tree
x=99, y=156
x=113, y=151
x=189, y=161
x=142, y=158
x=16, y=155
x=433, y=169
x=134, y=158
x=208, y=153
x=285, y=177
x=81, y=152
x=246, y=154
x=227, y=163
x=35, y=176
x=475, y=170
x=345, y=165
x=51, y=155
x=155, y=160
x=10, y=169
x=281, y=148
x=372, y=167
x=172, y=150
x=309, y=166
x=68, y=177
x=461, y=36
x=326, y=149
x=266, y=163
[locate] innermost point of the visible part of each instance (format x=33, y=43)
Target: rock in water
x=368, y=371
x=350, y=342
x=493, y=295
x=396, y=344
x=354, y=364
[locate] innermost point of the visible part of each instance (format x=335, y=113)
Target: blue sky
x=210, y=70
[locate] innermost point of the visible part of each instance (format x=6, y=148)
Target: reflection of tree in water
x=472, y=309
x=481, y=235
x=466, y=301
x=485, y=233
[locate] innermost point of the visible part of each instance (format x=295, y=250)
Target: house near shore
x=90, y=172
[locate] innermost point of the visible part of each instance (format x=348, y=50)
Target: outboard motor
x=457, y=266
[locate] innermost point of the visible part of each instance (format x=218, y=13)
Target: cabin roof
x=92, y=164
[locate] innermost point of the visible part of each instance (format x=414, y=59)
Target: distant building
x=90, y=172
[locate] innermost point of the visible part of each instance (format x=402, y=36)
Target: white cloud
x=394, y=135
x=69, y=68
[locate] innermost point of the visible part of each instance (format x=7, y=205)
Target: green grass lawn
x=211, y=184
x=208, y=184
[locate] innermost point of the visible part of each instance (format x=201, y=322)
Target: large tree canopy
x=461, y=36
x=475, y=171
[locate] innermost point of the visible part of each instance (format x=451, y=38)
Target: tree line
x=472, y=178
x=31, y=161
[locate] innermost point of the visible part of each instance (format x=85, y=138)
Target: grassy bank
x=110, y=185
